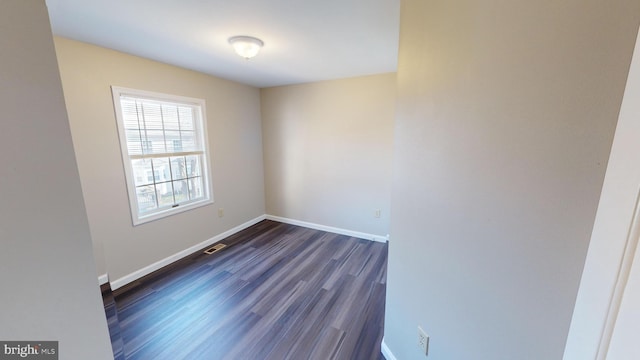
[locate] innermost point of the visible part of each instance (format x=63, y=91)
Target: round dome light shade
x=246, y=46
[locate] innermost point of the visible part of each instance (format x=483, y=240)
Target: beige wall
x=235, y=144
x=506, y=113
x=327, y=152
x=48, y=280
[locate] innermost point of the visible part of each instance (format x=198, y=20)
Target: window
x=164, y=149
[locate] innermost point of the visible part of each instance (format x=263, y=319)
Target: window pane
x=178, y=168
x=172, y=138
x=142, y=172
x=146, y=196
x=165, y=194
x=130, y=114
x=195, y=188
x=193, y=166
x=134, y=144
x=189, y=142
x=170, y=117
x=180, y=191
x=154, y=143
x=152, y=115
x=161, y=169
x=177, y=145
x=186, y=118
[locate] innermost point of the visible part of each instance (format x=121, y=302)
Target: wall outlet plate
x=423, y=341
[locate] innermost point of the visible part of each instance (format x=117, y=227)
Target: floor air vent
x=215, y=248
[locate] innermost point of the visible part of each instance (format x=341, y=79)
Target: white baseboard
x=386, y=351
x=331, y=229
x=103, y=279
x=118, y=283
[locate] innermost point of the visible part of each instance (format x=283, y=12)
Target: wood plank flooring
x=113, y=322
x=278, y=292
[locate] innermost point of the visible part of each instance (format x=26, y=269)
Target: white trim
x=357, y=234
x=103, y=279
x=621, y=283
x=118, y=283
x=386, y=351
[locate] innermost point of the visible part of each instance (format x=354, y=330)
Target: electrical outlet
x=377, y=213
x=423, y=341
x=220, y=212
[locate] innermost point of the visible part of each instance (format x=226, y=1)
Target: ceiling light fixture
x=246, y=46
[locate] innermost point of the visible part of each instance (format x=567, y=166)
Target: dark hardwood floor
x=277, y=292
x=113, y=322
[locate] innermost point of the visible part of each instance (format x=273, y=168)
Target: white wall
x=47, y=275
x=235, y=144
x=624, y=339
x=327, y=152
x=600, y=295
x=506, y=113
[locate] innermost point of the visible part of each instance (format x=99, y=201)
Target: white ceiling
x=305, y=40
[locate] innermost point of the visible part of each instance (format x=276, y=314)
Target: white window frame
x=136, y=216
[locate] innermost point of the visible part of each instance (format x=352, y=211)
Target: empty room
x=399, y=180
